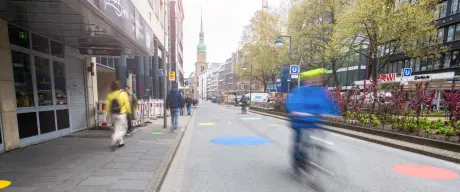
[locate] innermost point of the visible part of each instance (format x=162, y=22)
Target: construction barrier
x=102, y=120
x=101, y=117
x=151, y=109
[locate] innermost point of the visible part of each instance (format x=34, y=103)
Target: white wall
x=104, y=79
x=157, y=26
x=202, y=89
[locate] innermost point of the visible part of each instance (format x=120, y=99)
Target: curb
x=427, y=142
x=156, y=182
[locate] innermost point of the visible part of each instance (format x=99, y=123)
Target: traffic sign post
x=172, y=75
x=294, y=71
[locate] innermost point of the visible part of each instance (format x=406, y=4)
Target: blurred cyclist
x=306, y=105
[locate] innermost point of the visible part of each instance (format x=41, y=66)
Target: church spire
x=201, y=47
x=201, y=21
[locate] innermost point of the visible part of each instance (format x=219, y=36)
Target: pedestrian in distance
x=174, y=102
x=133, y=102
x=119, y=107
x=182, y=107
x=188, y=104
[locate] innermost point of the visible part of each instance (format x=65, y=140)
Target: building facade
x=176, y=19
x=56, y=56
x=202, y=85
x=448, y=22
x=213, y=79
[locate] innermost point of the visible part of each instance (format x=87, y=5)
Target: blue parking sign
x=407, y=72
x=294, y=70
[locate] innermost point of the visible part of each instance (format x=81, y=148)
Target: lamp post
x=245, y=67
x=226, y=80
x=279, y=43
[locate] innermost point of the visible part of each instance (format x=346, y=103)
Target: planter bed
x=451, y=143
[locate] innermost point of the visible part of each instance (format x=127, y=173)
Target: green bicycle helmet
x=313, y=73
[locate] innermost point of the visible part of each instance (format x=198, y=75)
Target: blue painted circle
x=240, y=140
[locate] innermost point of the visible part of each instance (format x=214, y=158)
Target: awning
x=98, y=25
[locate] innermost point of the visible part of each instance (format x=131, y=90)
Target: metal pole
x=250, y=85
x=289, y=82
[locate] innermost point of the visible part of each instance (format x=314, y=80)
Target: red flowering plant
x=421, y=100
x=280, y=100
x=452, y=99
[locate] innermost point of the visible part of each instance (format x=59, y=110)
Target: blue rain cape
x=313, y=100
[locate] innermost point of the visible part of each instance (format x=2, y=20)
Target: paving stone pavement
x=84, y=162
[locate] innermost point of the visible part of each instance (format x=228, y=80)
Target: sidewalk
x=84, y=162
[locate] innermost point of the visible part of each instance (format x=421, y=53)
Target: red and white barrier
x=101, y=117
x=151, y=109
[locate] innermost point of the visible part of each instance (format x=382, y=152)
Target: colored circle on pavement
x=240, y=140
x=4, y=184
x=426, y=172
x=157, y=133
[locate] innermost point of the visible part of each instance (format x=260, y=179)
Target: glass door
x=41, y=91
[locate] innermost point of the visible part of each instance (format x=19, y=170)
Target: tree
x=313, y=26
x=258, y=47
x=386, y=28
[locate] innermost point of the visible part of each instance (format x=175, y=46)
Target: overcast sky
x=223, y=22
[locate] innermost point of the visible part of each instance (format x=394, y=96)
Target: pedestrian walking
x=174, y=102
x=118, y=106
x=188, y=104
x=133, y=102
x=182, y=107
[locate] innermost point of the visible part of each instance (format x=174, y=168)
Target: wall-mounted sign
x=100, y=52
x=407, y=72
x=122, y=13
x=387, y=77
x=172, y=75
x=422, y=77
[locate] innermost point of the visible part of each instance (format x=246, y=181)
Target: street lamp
x=279, y=43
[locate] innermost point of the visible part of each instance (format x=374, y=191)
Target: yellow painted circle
x=4, y=184
x=206, y=124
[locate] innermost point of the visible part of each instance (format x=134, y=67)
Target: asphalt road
x=348, y=164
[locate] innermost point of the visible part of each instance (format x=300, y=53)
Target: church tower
x=201, y=64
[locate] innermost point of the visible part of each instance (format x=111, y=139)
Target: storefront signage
x=422, y=77
x=122, y=13
x=387, y=77
x=100, y=52
x=119, y=9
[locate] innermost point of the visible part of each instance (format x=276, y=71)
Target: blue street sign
x=407, y=72
x=161, y=72
x=294, y=70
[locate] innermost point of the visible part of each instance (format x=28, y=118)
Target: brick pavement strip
x=416, y=148
x=84, y=162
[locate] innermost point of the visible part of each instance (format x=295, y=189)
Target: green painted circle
x=157, y=133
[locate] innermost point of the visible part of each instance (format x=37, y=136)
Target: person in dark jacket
x=188, y=104
x=133, y=101
x=174, y=103
x=182, y=107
